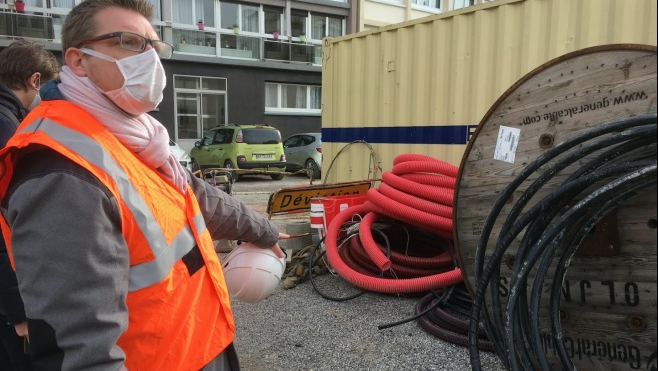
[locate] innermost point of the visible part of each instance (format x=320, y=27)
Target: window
x=245, y=17
x=298, y=20
x=318, y=26
x=436, y=4
x=294, y=141
x=200, y=105
x=65, y=4
x=322, y=26
x=258, y=136
x=61, y=4
x=208, y=138
x=273, y=19
x=395, y=2
x=193, y=11
x=47, y=8
x=289, y=98
x=157, y=14
x=458, y=4
x=58, y=22
x=335, y=27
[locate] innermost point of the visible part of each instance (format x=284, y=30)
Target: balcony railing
x=292, y=51
x=245, y=47
x=26, y=25
x=185, y=41
x=195, y=42
x=234, y=46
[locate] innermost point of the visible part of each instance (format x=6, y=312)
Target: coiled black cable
x=446, y=316
x=312, y=262
x=625, y=157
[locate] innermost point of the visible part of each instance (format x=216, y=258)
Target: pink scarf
x=143, y=135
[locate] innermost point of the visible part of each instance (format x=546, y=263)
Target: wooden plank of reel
x=608, y=303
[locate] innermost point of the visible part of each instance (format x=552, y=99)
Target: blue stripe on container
x=449, y=134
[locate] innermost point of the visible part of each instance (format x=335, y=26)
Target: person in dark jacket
x=24, y=67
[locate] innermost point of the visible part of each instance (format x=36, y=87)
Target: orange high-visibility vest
x=176, y=321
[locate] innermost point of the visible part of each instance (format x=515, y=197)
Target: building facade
x=250, y=62
x=377, y=13
x=242, y=62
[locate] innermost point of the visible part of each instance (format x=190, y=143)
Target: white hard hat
x=252, y=273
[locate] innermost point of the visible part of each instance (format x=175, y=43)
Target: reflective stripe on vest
x=144, y=274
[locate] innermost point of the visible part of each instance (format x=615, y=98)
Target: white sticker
x=508, y=139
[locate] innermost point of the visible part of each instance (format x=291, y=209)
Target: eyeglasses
x=136, y=43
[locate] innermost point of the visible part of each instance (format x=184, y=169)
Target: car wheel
x=194, y=165
x=312, y=169
x=277, y=176
x=229, y=165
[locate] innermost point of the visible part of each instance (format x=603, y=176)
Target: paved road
x=255, y=190
x=263, y=183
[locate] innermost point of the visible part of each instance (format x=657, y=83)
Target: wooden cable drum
x=555, y=215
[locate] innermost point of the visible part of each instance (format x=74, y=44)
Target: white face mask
x=35, y=102
x=37, y=98
x=144, y=80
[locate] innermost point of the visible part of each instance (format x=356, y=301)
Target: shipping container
x=422, y=86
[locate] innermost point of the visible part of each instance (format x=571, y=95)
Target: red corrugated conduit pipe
x=402, y=266
x=418, y=191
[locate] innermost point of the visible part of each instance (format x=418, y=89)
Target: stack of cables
x=613, y=162
x=400, y=240
x=445, y=314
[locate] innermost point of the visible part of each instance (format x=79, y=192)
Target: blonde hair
x=80, y=24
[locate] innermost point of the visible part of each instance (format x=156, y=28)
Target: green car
x=249, y=149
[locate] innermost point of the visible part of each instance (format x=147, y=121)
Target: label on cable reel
x=508, y=140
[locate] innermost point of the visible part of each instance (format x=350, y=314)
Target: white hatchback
x=182, y=156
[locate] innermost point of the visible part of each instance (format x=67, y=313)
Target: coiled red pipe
x=440, y=195
x=357, y=258
x=415, y=202
x=372, y=249
x=404, y=157
x=377, y=255
x=437, y=167
x=419, y=192
x=431, y=179
x=382, y=285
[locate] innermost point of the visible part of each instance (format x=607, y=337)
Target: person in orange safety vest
x=110, y=237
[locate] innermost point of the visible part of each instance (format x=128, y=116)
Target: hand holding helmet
x=252, y=273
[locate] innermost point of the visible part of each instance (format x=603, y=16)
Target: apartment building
x=250, y=62
x=377, y=13
x=242, y=62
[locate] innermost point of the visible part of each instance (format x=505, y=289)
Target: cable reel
x=555, y=215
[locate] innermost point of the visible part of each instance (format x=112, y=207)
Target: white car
x=182, y=156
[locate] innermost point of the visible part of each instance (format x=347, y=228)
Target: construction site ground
x=297, y=329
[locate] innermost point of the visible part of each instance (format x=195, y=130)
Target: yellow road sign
x=298, y=199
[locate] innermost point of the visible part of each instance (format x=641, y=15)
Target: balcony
x=25, y=25
x=185, y=41
x=234, y=46
x=245, y=47
x=195, y=42
x=287, y=51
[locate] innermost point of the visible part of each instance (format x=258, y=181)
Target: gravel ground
x=299, y=330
